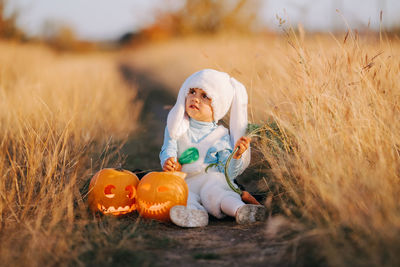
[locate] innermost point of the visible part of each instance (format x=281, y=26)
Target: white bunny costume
x=209, y=191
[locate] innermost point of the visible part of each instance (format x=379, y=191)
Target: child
x=204, y=98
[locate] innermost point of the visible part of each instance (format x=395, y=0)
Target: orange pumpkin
x=158, y=192
x=113, y=191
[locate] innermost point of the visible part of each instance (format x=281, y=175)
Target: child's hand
x=170, y=165
x=243, y=143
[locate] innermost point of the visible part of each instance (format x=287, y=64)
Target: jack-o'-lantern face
x=158, y=192
x=113, y=191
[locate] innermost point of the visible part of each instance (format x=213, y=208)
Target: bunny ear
x=178, y=121
x=238, y=117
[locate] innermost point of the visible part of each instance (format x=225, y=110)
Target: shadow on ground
x=142, y=149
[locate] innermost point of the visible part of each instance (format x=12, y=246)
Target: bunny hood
x=225, y=92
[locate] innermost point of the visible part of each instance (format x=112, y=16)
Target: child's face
x=198, y=105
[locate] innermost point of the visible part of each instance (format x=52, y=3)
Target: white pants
x=211, y=192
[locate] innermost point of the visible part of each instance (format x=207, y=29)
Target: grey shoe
x=250, y=213
x=184, y=217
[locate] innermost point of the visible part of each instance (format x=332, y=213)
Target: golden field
x=333, y=168
x=330, y=170
x=61, y=117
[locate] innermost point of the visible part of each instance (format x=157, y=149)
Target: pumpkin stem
x=180, y=174
x=119, y=168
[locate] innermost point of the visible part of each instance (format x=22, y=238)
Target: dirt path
x=143, y=149
x=222, y=242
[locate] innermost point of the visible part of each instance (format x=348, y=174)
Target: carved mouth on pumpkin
x=151, y=207
x=116, y=211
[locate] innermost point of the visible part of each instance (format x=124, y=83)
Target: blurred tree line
x=193, y=18
x=58, y=36
x=8, y=27
x=214, y=16
x=203, y=17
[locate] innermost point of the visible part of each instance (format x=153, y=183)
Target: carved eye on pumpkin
x=108, y=191
x=145, y=186
x=113, y=191
x=158, y=192
x=131, y=191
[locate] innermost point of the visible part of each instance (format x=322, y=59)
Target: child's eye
x=204, y=96
x=192, y=91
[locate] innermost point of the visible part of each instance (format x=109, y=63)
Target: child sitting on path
x=204, y=98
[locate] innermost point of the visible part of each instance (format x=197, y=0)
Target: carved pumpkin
x=113, y=191
x=158, y=192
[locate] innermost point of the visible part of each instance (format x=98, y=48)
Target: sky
x=109, y=19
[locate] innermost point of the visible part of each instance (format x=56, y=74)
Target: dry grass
x=342, y=176
x=337, y=103
x=57, y=114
